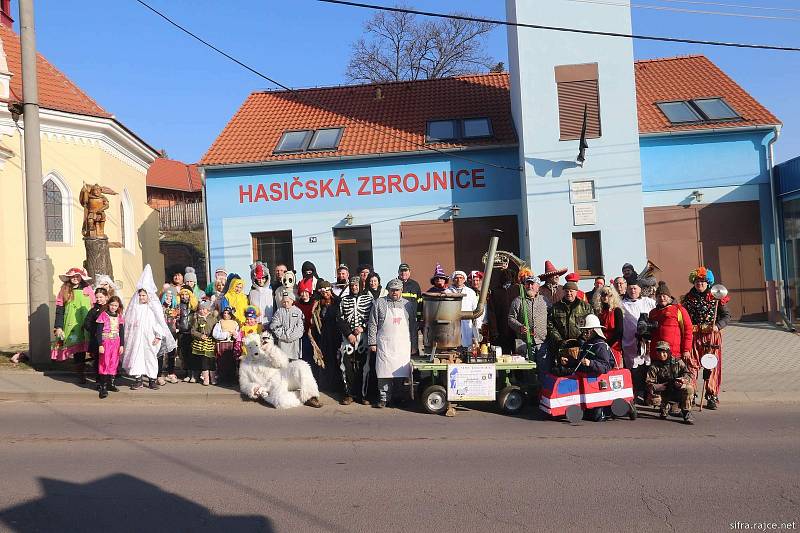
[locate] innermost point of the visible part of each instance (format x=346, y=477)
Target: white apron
x=393, y=357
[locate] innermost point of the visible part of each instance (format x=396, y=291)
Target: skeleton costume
x=353, y=361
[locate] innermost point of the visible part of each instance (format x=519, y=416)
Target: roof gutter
x=285, y=162
x=737, y=129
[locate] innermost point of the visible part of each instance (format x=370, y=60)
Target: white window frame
x=66, y=208
x=127, y=223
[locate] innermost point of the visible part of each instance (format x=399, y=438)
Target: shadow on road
x=119, y=502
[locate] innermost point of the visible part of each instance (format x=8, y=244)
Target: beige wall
x=76, y=161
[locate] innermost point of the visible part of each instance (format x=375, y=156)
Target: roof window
x=455, y=129
x=715, y=109
x=700, y=110
x=442, y=130
x=476, y=127
x=309, y=140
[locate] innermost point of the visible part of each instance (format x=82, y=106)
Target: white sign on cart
x=471, y=382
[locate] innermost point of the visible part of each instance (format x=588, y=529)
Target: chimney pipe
x=487, y=278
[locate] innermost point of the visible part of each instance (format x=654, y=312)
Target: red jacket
x=670, y=329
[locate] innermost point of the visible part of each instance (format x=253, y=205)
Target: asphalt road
x=245, y=467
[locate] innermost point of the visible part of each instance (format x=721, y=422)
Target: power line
x=562, y=29
x=304, y=95
x=690, y=11
x=738, y=6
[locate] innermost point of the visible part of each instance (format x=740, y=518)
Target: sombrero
x=550, y=270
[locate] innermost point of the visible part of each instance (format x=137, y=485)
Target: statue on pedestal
x=95, y=204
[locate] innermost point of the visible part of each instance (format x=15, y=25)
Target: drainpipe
x=776, y=232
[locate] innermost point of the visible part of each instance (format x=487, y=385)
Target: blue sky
x=178, y=95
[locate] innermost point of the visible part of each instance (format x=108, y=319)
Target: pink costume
x=111, y=335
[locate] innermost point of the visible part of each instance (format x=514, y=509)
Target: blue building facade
x=313, y=201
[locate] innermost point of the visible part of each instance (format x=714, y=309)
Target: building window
x=679, y=112
x=294, y=141
x=716, y=109
x=578, y=92
x=441, y=130
x=700, y=110
x=309, y=140
x=273, y=248
x=326, y=139
x=476, y=127
x=53, y=212
x=586, y=253
x=353, y=246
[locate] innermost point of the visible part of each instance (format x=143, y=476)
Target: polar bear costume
x=267, y=373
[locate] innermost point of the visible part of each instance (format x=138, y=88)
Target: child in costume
x=90, y=324
x=105, y=282
x=261, y=294
x=146, y=330
x=187, y=304
x=190, y=280
x=202, y=324
x=228, y=346
x=110, y=335
x=252, y=322
x=214, y=289
x=234, y=297
x=73, y=303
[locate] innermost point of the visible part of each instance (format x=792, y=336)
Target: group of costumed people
x=355, y=338
x=632, y=322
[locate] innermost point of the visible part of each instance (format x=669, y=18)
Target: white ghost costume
x=145, y=322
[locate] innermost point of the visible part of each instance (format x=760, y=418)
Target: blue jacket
x=599, y=355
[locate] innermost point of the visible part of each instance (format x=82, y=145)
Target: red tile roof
x=56, y=91
x=691, y=77
x=393, y=122
x=174, y=175
x=398, y=119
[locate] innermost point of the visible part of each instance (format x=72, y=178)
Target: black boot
x=103, y=386
x=111, y=386
x=82, y=374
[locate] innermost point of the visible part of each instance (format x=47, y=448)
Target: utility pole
x=38, y=282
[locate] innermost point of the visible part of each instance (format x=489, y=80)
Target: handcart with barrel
x=448, y=373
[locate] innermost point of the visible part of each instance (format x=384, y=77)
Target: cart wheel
x=434, y=399
x=574, y=414
x=620, y=407
x=632, y=414
x=511, y=400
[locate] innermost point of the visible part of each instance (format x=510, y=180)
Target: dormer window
x=699, y=110
x=458, y=129
x=309, y=140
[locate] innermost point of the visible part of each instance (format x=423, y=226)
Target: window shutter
x=578, y=88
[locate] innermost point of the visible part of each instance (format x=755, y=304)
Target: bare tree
x=398, y=46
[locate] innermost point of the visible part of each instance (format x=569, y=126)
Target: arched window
x=53, y=212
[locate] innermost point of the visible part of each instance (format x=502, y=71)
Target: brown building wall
x=158, y=198
x=726, y=237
